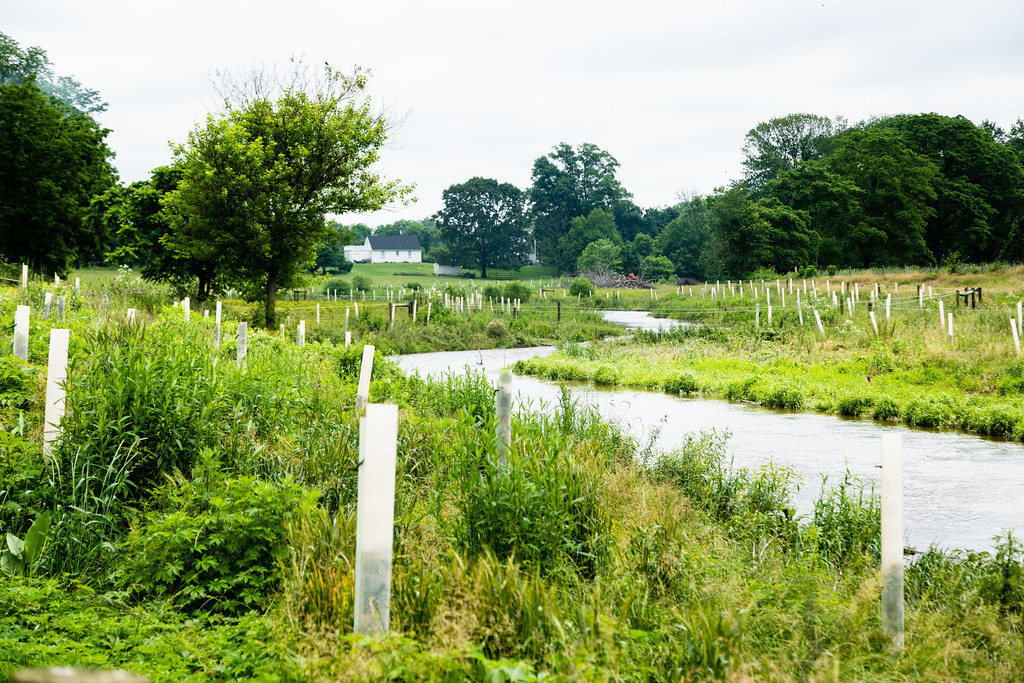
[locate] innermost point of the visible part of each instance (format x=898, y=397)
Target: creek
x=960, y=490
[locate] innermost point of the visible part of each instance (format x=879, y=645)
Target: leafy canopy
x=258, y=180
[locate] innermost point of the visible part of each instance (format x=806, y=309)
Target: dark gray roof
x=390, y=242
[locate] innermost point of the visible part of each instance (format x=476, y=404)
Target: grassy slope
x=699, y=573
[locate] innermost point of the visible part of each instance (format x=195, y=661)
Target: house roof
x=406, y=242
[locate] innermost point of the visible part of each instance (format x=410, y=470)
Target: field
x=201, y=514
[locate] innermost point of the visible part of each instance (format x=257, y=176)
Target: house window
x=409, y=254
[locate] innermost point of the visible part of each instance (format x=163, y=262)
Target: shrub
x=581, y=286
x=854, y=405
x=886, y=409
x=492, y=291
x=362, y=283
x=497, y=329
x=606, y=374
x=517, y=290
x=220, y=548
x=831, y=270
x=681, y=383
x=785, y=397
x=808, y=271
x=341, y=284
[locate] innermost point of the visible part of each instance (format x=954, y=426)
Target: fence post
x=56, y=374
x=892, y=538
x=504, y=410
x=375, y=516
x=365, y=370
x=21, y=318
x=559, y=305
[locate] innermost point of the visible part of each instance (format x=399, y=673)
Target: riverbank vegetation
x=200, y=520
x=909, y=370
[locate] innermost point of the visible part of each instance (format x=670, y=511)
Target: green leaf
x=35, y=539
x=15, y=544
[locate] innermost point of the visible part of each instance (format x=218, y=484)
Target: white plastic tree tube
x=242, y=343
x=365, y=371
x=504, y=410
x=21, y=320
x=300, y=333
x=942, y=316
x=1016, y=335
x=817, y=319
x=56, y=375
x=216, y=329
x=375, y=517
x=892, y=538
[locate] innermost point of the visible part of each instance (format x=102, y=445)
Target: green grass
x=230, y=555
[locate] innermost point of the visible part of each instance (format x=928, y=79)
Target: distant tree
x=685, y=241
x=359, y=232
x=568, y=183
x=331, y=254
x=634, y=253
x=600, y=254
x=139, y=228
x=258, y=180
x=426, y=231
x=657, y=268
x=978, y=194
x=780, y=144
x=53, y=161
x=742, y=241
x=20, y=66
x=896, y=188
x=629, y=220
x=598, y=224
x=484, y=224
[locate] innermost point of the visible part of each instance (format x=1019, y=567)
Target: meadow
x=200, y=515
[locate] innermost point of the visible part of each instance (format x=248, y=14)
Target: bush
x=341, y=284
x=362, y=283
x=220, y=548
x=808, y=271
x=493, y=292
x=344, y=267
x=517, y=290
x=682, y=383
x=497, y=329
x=658, y=268
x=581, y=286
x=831, y=270
x=606, y=374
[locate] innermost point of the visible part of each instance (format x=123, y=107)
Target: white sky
x=486, y=87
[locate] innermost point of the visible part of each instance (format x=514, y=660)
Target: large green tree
x=685, y=241
x=258, y=180
x=780, y=144
x=567, y=183
x=599, y=224
x=484, y=224
x=53, y=161
x=978, y=193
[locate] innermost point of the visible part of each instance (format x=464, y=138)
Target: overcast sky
x=485, y=87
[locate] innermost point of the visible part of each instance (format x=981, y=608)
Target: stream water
x=960, y=490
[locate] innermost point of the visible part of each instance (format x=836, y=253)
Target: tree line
x=244, y=202
x=906, y=190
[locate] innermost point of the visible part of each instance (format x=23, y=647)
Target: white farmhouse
x=386, y=249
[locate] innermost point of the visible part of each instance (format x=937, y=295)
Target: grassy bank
x=202, y=525
x=909, y=370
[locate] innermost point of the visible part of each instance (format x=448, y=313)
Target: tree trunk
x=271, y=299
